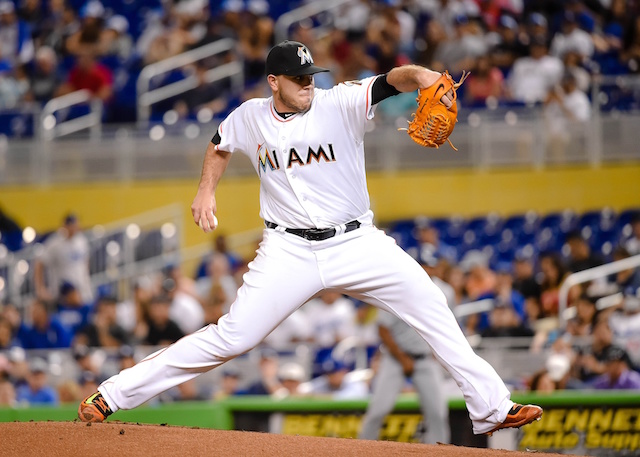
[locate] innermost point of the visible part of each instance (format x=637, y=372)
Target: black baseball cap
x=291, y=58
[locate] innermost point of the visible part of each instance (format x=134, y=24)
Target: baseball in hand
x=215, y=222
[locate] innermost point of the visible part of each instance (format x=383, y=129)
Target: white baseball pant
x=287, y=271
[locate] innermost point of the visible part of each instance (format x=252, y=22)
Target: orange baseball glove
x=432, y=122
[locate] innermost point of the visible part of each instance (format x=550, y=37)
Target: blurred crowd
x=522, y=53
x=593, y=344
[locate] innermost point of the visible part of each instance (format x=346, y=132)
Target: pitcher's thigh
x=280, y=279
x=386, y=276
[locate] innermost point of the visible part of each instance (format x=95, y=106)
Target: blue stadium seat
x=564, y=221
x=442, y=224
x=548, y=239
x=503, y=252
x=522, y=227
x=403, y=232
x=12, y=240
x=17, y=123
x=468, y=242
x=454, y=233
x=624, y=219
x=488, y=229
x=553, y=228
x=605, y=241
x=603, y=219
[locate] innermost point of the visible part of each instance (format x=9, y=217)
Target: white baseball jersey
x=308, y=179
x=67, y=259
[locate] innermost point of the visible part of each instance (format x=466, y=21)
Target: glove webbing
x=435, y=129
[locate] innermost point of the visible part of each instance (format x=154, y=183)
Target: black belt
x=316, y=234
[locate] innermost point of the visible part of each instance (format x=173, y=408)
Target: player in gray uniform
x=307, y=147
x=406, y=355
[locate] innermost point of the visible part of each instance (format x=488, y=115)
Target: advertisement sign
x=402, y=426
x=405, y=428
x=595, y=431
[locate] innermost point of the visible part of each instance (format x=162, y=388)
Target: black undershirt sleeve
x=216, y=138
x=382, y=89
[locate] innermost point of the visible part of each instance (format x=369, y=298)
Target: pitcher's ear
x=273, y=82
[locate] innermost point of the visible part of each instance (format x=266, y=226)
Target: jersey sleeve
x=231, y=135
x=355, y=101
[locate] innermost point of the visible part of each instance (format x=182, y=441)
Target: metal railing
x=589, y=275
x=49, y=127
x=123, y=153
x=121, y=252
x=281, y=27
x=469, y=309
x=115, y=248
x=147, y=96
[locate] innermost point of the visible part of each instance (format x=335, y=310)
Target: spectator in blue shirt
x=72, y=312
x=37, y=391
x=45, y=332
x=16, y=44
x=268, y=383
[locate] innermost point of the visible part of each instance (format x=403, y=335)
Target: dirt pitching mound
x=126, y=439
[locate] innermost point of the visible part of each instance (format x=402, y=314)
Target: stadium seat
x=454, y=233
x=12, y=241
x=403, y=232
x=603, y=219
x=488, y=229
x=469, y=241
x=149, y=245
x=553, y=228
x=623, y=222
x=442, y=224
x=523, y=227
x=604, y=242
x=563, y=221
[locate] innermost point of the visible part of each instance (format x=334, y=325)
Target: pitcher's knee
x=230, y=347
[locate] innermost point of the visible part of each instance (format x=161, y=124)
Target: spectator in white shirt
x=185, y=310
x=293, y=330
x=572, y=38
x=567, y=110
x=65, y=258
x=332, y=318
x=337, y=382
x=533, y=76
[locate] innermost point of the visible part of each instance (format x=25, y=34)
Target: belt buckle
x=318, y=234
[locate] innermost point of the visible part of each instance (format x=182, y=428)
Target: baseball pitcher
x=307, y=147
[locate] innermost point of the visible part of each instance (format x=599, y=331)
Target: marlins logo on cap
x=305, y=55
x=291, y=58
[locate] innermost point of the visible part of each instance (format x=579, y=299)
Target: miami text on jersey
x=269, y=159
x=312, y=154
